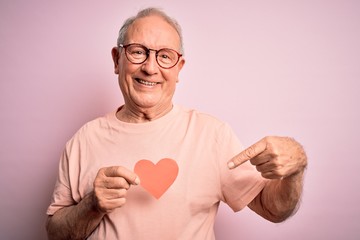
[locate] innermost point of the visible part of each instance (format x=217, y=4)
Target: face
x=147, y=86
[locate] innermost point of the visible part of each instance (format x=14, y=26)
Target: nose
x=150, y=66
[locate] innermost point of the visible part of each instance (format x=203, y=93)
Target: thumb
x=247, y=154
x=119, y=171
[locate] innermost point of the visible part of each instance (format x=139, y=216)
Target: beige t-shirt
x=200, y=144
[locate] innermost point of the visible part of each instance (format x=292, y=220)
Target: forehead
x=153, y=32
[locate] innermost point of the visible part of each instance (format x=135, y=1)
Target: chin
x=147, y=101
x=147, y=104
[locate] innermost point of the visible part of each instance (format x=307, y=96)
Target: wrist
x=92, y=204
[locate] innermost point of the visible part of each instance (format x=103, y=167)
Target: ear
x=180, y=66
x=115, y=56
x=181, y=63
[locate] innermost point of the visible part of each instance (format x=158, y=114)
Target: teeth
x=146, y=82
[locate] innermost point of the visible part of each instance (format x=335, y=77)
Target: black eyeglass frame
x=148, y=53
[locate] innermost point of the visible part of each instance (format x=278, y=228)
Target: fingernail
x=231, y=165
x=137, y=181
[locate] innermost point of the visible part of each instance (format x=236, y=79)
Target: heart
x=156, y=178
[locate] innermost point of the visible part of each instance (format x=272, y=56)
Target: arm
x=279, y=199
x=282, y=160
x=74, y=222
x=79, y=221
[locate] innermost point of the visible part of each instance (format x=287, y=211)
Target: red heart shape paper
x=156, y=178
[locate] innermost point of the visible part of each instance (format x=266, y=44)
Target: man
x=97, y=194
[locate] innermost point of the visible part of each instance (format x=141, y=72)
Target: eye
x=137, y=51
x=166, y=55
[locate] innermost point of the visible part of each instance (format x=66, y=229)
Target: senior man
x=103, y=192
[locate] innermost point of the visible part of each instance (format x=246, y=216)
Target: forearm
x=74, y=222
x=280, y=198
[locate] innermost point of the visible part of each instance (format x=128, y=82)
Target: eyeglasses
x=137, y=54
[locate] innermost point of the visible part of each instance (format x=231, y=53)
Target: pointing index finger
x=248, y=154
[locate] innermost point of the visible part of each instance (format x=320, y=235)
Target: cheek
x=171, y=76
x=126, y=72
x=124, y=79
x=172, y=85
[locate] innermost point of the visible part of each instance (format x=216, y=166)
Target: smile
x=146, y=82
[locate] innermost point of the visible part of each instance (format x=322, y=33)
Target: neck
x=140, y=115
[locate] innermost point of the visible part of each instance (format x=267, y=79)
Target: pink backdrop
x=293, y=70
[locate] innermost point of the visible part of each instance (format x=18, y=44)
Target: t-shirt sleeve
x=241, y=185
x=62, y=196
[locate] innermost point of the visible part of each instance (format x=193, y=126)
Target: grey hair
x=145, y=13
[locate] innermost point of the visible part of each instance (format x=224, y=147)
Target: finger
x=271, y=175
x=115, y=183
x=262, y=158
x=266, y=167
x=114, y=193
x=118, y=171
x=107, y=206
x=248, y=154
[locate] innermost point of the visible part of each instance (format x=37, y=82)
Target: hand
x=110, y=187
x=274, y=157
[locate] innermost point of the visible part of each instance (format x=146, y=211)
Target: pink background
x=266, y=67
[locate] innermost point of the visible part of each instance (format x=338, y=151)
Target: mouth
x=146, y=83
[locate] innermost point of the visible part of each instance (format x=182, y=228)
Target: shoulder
x=204, y=122
x=201, y=117
x=91, y=129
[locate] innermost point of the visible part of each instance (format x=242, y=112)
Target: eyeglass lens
x=165, y=57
